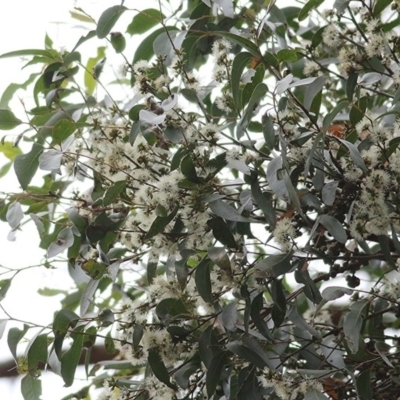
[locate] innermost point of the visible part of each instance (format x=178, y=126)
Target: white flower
x=331, y=36
x=141, y=67
x=311, y=68
x=284, y=232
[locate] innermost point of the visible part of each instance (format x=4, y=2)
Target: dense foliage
x=200, y=212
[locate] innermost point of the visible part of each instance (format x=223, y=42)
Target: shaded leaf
x=144, y=21
x=25, y=165
x=226, y=211
x=352, y=324
x=159, y=369
x=31, y=388
x=303, y=14
x=273, y=266
x=70, y=359
x=334, y=227
x=203, y=281
x=214, y=372
x=160, y=223
x=108, y=19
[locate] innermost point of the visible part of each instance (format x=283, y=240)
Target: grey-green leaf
x=334, y=227
x=108, y=19
x=8, y=120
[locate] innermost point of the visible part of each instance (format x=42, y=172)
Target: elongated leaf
x=70, y=359
x=258, y=320
x=247, y=354
x=313, y=90
x=112, y=193
x=160, y=223
x=334, y=227
x=14, y=337
x=353, y=323
x=226, y=211
x=14, y=215
x=218, y=256
x=335, y=292
x=31, y=387
x=203, y=281
x=301, y=323
x=303, y=14
x=273, y=266
x=144, y=21
x=63, y=320
x=329, y=118
x=241, y=41
x=108, y=19
x=259, y=92
x=30, y=52
x=354, y=154
x=37, y=352
x=239, y=64
x=214, y=372
x=87, y=295
x=8, y=120
x=159, y=369
x=62, y=130
x=25, y=165
x=264, y=201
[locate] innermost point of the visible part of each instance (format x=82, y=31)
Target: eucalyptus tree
x=215, y=200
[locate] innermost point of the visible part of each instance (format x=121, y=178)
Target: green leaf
x=259, y=92
x=203, y=281
x=258, y=320
x=264, y=202
x=239, y=64
x=247, y=354
x=334, y=227
x=14, y=337
x=5, y=284
x=241, y=41
x=226, y=211
x=219, y=257
x=12, y=88
x=63, y=320
x=31, y=388
x=118, y=42
x=303, y=14
x=112, y=193
x=314, y=394
x=160, y=223
x=31, y=52
x=222, y=232
x=273, y=266
x=170, y=308
x=300, y=322
x=329, y=118
x=37, y=352
x=62, y=130
x=310, y=289
x=9, y=150
x=313, y=90
x=287, y=55
x=380, y=5
x=364, y=387
x=8, y=120
x=354, y=154
x=385, y=247
x=70, y=359
x=159, y=369
x=268, y=131
x=144, y=50
x=352, y=324
x=83, y=39
x=351, y=84
x=214, y=372
x=144, y=21
x=108, y=19
x=184, y=373
x=89, y=80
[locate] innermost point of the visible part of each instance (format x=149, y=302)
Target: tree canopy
x=215, y=200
